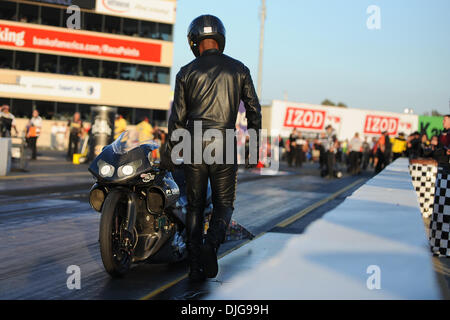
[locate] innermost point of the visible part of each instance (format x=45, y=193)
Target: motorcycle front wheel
x=114, y=240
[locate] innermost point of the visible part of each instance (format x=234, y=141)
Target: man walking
x=208, y=91
x=33, y=131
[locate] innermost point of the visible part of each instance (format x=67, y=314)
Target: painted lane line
x=43, y=175
x=307, y=210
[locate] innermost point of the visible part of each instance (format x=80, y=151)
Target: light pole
x=261, y=48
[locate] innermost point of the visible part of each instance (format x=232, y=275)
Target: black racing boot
x=196, y=272
x=215, y=236
x=194, y=239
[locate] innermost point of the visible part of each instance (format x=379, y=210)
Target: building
x=121, y=56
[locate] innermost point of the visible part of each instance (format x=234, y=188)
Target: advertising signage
x=154, y=10
x=67, y=41
x=310, y=118
x=85, y=4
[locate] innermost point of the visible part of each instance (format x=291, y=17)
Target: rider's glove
x=166, y=161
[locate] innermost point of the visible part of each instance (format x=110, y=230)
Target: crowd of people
x=72, y=135
x=31, y=132
x=333, y=155
x=357, y=154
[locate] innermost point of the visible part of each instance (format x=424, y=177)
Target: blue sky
x=323, y=49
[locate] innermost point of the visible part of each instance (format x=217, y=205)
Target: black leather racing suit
x=210, y=89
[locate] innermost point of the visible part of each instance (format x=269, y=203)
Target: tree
x=436, y=113
x=342, y=105
x=433, y=113
x=327, y=102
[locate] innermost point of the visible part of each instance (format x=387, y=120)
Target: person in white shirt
x=34, y=127
x=7, y=122
x=355, y=149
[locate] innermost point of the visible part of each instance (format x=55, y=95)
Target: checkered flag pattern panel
x=423, y=179
x=440, y=219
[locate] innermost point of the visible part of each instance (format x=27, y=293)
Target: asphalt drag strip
x=42, y=236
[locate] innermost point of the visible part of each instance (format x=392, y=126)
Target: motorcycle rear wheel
x=116, y=259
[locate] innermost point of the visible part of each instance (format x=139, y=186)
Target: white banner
x=346, y=121
x=53, y=87
x=153, y=10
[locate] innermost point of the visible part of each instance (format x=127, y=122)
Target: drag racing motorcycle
x=143, y=208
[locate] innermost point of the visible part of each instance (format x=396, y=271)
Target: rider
x=209, y=89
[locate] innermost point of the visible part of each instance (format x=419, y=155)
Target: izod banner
x=375, y=124
x=68, y=41
x=304, y=118
x=309, y=118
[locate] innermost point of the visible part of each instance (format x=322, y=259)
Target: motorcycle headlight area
x=96, y=199
x=129, y=169
x=105, y=169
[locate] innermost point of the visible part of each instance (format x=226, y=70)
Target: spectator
x=299, y=150
x=343, y=158
x=373, y=150
x=414, y=146
x=423, y=144
x=331, y=149
x=7, y=122
x=291, y=146
x=319, y=146
x=120, y=125
x=34, y=127
x=429, y=151
x=398, y=146
x=75, y=127
x=380, y=154
x=145, y=130
x=442, y=150
x=366, y=154
x=355, y=148
x=387, y=148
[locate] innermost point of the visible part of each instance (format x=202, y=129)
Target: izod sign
x=378, y=124
x=18, y=36
x=304, y=118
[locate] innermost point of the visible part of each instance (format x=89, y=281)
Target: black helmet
x=206, y=27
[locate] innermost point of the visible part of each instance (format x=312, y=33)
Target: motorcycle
x=143, y=208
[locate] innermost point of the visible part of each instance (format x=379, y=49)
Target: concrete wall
x=372, y=246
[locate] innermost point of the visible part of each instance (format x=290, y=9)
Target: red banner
x=304, y=118
x=379, y=124
x=71, y=41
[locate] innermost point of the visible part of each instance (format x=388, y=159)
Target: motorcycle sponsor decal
x=375, y=124
x=304, y=118
x=77, y=43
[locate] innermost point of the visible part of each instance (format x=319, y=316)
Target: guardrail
x=372, y=246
